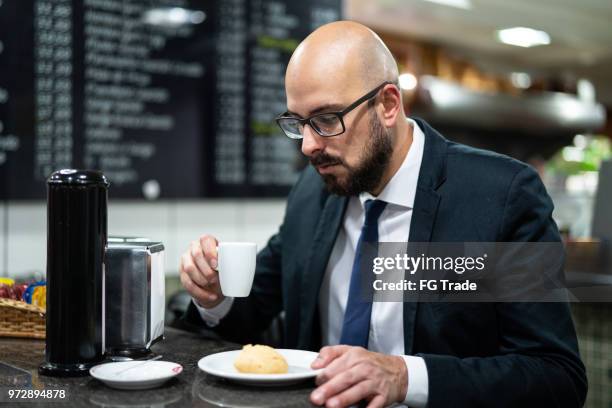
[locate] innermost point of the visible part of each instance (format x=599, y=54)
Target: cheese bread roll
x=260, y=359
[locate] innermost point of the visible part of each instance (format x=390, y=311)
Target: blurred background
x=175, y=99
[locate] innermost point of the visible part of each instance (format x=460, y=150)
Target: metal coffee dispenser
x=134, y=296
x=76, y=240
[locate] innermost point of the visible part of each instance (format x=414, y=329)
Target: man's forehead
x=312, y=95
x=310, y=100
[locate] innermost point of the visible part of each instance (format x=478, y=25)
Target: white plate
x=142, y=376
x=222, y=365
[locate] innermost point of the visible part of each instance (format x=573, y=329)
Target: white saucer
x=143, y=375
x=222, y=365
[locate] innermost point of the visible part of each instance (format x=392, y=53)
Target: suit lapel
x=431, y=176
x=423, y=217
x=320, y=251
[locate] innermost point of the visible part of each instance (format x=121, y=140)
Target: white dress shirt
x=386, y=325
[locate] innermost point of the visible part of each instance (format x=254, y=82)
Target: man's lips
x=326, y=168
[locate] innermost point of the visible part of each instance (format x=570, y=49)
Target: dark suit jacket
x=477, y=354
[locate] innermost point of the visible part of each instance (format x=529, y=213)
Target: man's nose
x=312, y=141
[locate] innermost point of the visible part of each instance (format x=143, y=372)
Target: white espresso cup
x=236, y=267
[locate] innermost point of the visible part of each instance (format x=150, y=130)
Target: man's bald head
x=330, y=71
x=342, y=52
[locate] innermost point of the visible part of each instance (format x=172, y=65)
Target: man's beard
x=366, y=176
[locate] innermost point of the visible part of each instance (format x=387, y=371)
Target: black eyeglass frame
x=339, y=114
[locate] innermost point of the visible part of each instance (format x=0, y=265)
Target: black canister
x=76, y=242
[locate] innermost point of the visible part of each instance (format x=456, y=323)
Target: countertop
x=20, y=358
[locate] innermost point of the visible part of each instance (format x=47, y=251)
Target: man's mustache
x=324, y=159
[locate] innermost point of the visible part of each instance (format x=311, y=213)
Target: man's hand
x=351, y=374
x=198, y=272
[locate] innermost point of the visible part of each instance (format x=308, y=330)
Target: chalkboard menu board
x=170, y=98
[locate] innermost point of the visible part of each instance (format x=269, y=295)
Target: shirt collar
x=401, y=189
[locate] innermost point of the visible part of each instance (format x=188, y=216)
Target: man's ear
x=391, y=99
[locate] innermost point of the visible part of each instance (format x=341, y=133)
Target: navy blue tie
x=356, y=324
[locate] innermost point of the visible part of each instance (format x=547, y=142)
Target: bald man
x=370, y=162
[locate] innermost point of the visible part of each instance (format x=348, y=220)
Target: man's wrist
x=213, y=315
x=402, y=377
x=208, y=306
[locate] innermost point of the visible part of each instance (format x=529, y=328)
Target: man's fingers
x=352, y=395
x=191, y=270
x=338, y=384
x=209, y=247
x=377, y=402
x=328, y=354
x=343, y=381
x=198, y=257
x=347, y=358
x=210, y=276
x=200, y=294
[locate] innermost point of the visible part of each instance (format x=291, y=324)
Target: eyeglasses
x=326, y=124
